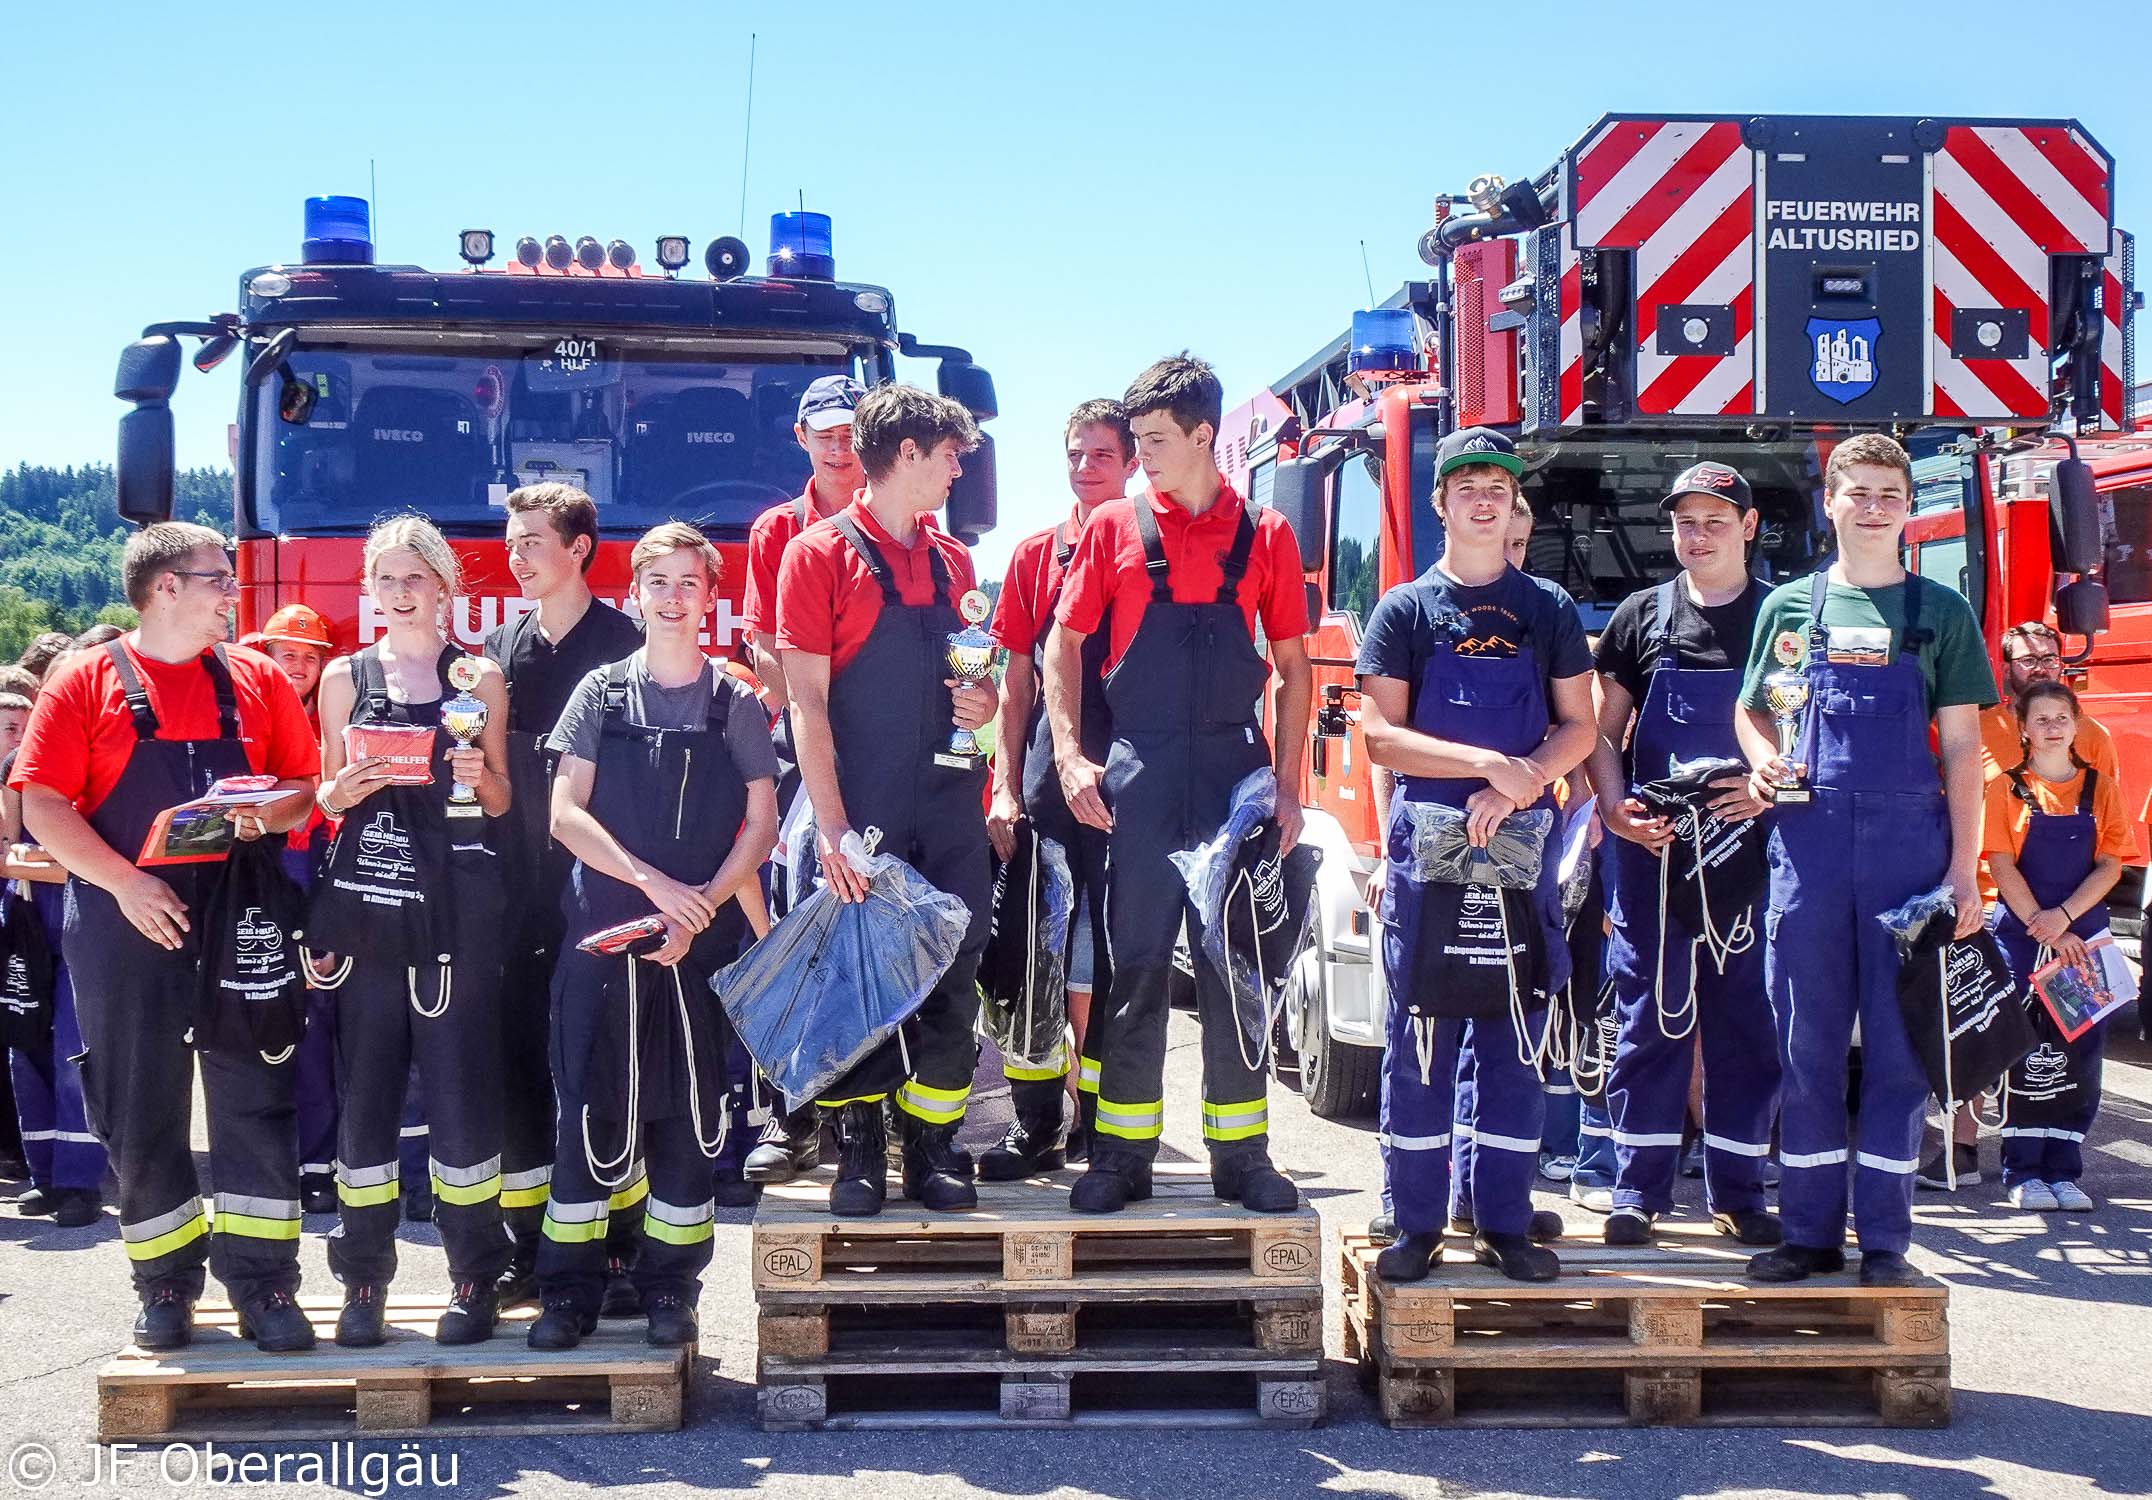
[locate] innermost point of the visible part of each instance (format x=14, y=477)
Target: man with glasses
x=119, y=734
x=2032, y=652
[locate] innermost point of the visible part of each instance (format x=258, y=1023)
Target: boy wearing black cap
x=1476, y=695
x=1670, y=665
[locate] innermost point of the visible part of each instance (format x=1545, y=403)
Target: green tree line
x=60, y=541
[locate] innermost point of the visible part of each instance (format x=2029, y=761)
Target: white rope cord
x=1950, y=1089
x=624, y=1163
x=694, y=1089
x=336, y=978
x=1683, y=1016
x=1423, y=1047
x=1262, y=986
x=285, y=1056
x=442, y=991
x=1536, y=1056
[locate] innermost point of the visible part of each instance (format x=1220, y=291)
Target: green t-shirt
x=1953, y=659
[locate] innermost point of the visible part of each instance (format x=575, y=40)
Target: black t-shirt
x=1704, y=639
x=542, y=674
x=1498, y=619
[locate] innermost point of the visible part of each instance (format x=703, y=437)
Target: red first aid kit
x=407, y=749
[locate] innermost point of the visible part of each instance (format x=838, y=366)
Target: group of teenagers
x=587, y=1108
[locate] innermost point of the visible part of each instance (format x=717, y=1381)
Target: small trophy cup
x=1785, y=693
x=970, y=657
x=464, y=717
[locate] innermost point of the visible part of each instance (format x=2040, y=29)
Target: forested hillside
x=60, y=541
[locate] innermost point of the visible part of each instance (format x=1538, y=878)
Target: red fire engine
x=1745, y=290
x=372, y=389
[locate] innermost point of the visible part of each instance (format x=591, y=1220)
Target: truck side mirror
x=2075, y=504
x=1296, y=493
x=969, y=386
x=2081, y=608
x=148, y=374
x=973, y=501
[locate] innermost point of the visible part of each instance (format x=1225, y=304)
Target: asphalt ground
x=2051, y=1323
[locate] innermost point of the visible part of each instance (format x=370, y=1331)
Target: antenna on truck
x=1370, y=275
x=747, y=132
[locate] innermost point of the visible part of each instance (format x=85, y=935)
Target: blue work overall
x=1875, y=834
x=57, y=1141
x=2048, y=1108
x=1670, y=982
x=1500, y=704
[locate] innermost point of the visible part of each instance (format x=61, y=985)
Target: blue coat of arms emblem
x=1842, y=363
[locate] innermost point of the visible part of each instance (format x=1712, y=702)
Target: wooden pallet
x=1180, y=1311
x=1668, y=1333
x=221, y=1386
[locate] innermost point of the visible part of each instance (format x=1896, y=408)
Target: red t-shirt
x=773, y=531
x=827, y=601
x=1107, y=574
x=1028, y=588
x=81, y=735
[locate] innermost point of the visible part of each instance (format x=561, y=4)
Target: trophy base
x=1789, y=796
x=956, y=762
x=465, y=810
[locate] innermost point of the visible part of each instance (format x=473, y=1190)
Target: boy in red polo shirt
x=866, y=601
x=1178, y=578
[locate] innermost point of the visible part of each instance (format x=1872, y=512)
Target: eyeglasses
x=2044, y=659
x=225, y=581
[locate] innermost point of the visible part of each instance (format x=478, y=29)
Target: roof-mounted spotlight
x=620, y=255
x=589, y=254
x=726, y=258
x=528, y=252
x=557, y=253
x=476, y=247
x=672, y=253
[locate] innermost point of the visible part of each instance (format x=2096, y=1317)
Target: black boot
x=472, y=1312
x=1627, y=1226
x=672, y=1320
x=363, y=1322
x=862, y=1162
x=1516, y=1257
x=1887, y=1268
x=562, y=1325
x=1795, y=1263
x=1243, y=1173
x=1032, y=1143
x=317, y=1193
x=78, y=1208
x=1544, y=1229
x=622, y=1300
x=38, y=1203
x=1410, y=1258
x=1115, y=1177
x=790, y=1145
x=934, y=1173
x=519, y=1283
x=1382, y=1229
x=275, y=1323
x=731, y=1188
x=1751, y=1226
x=166, y=1320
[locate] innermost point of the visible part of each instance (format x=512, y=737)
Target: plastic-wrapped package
x=1905, y=923
x=832, y=980
x=1255, y=905
x=795, y=852
x=1023, y=974
x=1442, y=855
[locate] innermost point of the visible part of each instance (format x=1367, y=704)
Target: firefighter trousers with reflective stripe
x=56, y=1138
x=527, y=1123
x=673, y=1211
x=316, y=1086
x=1421, y=1123
x=379, y=1034
x=134, y=1002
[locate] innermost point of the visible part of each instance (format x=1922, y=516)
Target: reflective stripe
x=634, y=1193
x=1131, y=1122
x=2041, y=1132
x=679, y=1226
x=1498, y=1142
x=411, y=1130
x=256, y=1218
x=1236, y=1122
x=40, y=1135
x=1812, y=1158
x=1559, y=1090
x=1736, y=1148
x=364, y=1187
x=1086, y=1075
x=167, y=1232
x=1886, y=1163
x=317, y=1168
x=1415, y=1142
x=463, y=1186
x=75, y=1137
x=1604, y=1132
x=1056, y=1066
x=1626, y=1138
x=856, y=1099
x=574, y=1223
x=526, y=1189
x=933, y=1105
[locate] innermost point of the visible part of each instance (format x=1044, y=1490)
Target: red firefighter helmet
x=301, y=625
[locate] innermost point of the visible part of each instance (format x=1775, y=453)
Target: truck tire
x=1338, y=1079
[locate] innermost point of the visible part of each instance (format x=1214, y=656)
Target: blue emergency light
x=800, y=246
x=338, y=232
x=1383, y=339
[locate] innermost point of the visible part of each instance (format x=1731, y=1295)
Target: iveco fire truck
x=1676, y=288
x=372, y=389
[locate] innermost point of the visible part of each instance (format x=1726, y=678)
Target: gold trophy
x=464, y=717
x=1785, y=693
x=969, y=654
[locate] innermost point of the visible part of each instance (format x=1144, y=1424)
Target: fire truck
x=1678, y=288
x=371, y=389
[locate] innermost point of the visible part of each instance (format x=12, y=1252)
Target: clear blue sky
x=1068, y=191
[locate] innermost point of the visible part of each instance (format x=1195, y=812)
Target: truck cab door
x=1340, y=778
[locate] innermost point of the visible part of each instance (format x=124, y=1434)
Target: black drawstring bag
x=1461, y=972
x=26, y=972
x=381, y=892
x=251, y=994
x=1022, y=974
x=1714, y=870
x=1964, y=1011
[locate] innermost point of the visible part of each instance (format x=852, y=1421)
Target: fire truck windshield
x=652, y=432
